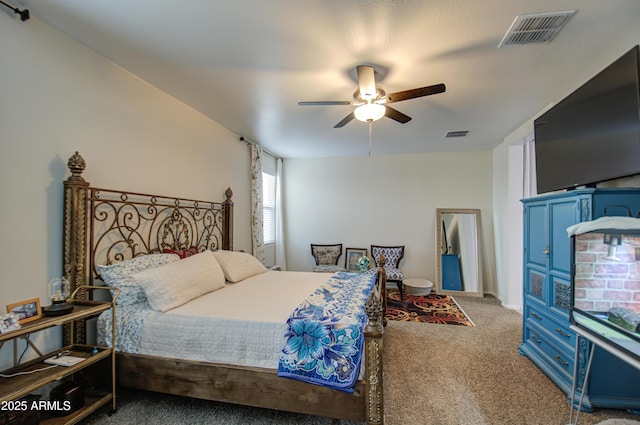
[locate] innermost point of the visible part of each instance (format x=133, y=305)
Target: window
x=269, y=208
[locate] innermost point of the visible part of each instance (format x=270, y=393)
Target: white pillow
x=176, y=283
x=238, y=266
x=118, y=275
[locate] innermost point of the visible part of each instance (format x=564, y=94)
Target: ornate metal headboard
x=103, y=226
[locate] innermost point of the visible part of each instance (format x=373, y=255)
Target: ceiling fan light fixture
x=370, y=112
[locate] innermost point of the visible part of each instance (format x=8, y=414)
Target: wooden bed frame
x=107, y=226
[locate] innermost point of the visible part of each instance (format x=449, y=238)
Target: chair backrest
x=392, y=255
x=326, y=255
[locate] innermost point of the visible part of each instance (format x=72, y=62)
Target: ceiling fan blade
x=396, y=115
x=345, y=121
x=412, y=94
x=325, y=102
x=366, y=82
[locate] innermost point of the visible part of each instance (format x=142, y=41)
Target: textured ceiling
x=246, y=63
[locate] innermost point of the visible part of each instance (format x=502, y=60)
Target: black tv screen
x=592, y=135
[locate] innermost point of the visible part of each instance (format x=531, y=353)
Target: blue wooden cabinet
x=546, y=337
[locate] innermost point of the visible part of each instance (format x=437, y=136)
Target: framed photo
x=352, y=257
x=26, y=311
x=8, y=323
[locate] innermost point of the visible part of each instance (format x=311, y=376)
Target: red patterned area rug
x=432, y=308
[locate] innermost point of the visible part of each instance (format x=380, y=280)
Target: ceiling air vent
x=535, y=28
x=458, y=133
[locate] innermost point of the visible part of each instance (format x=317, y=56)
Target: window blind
x=269, y=207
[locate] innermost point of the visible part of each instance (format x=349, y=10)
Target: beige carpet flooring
x=471, y=375
x=434, y=374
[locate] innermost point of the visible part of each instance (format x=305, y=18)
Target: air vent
x=535, y=28
x=457, y=133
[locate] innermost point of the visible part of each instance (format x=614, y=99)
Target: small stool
x=418, y=286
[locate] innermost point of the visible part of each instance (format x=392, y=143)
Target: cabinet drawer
x=556, y=358
x=564, y=337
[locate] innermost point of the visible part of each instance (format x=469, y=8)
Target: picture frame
x=8, y=323
x=352, y=255
x=26, y=311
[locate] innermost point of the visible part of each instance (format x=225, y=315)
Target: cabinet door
x=534, y=284
x=561, y=215
x=560, y=295
x=536, y=241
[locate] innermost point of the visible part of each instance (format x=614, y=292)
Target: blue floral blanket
x=325, y=333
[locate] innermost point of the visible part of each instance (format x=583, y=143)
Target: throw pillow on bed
x=176, y=283
x=182, y=253
x=238, y=266
x=118, y=275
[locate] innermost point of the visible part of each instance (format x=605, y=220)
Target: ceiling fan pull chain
x=370, y=134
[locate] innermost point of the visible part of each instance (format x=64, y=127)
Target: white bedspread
x=242, y=324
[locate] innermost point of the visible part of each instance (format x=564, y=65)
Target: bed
x=105, y=227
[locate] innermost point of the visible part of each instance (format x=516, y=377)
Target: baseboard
x=516, y=307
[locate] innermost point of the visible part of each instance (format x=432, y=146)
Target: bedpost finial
x=77, y=165
x=228, y=193
x=373, y=309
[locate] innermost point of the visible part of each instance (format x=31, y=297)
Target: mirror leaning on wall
x=458, y=253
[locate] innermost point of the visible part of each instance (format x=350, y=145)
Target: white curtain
x=280, y=257
x=529, y=186
x=256, y=203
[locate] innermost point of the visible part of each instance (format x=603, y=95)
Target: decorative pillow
x=176, y=283
x=238, y=265
x=118, y=275
x=182, y=253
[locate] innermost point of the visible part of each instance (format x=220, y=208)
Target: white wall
x=508, y=190
x=507, y=162
x=58, y=97
x=507, y=193
x=385, y=200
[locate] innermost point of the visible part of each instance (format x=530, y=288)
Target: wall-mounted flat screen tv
x=592, y=135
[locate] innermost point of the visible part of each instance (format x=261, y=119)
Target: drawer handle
x=535, y=339
x=536, y=315
x=561, y=332
x=562, y=362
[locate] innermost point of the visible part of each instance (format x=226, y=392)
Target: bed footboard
x=240, y=385
x=373, y=334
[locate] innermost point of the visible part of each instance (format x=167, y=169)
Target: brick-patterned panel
x=602, y=283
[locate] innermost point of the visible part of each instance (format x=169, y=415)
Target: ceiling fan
x=371, y=101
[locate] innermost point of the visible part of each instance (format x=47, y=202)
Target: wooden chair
x=392, y=256
x=326, y=257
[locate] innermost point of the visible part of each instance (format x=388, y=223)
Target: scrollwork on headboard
x=103, y=226
x=124, y=225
